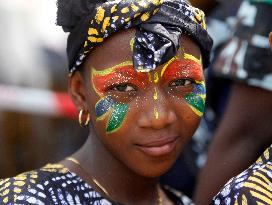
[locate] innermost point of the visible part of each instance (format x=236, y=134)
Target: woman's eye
x=124, y=88
x=181, y=82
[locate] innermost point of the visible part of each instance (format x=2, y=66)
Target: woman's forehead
x=119, y=48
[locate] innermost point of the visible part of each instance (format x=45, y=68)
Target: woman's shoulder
x=176, y=196
x=50, y=184
x=252, y=185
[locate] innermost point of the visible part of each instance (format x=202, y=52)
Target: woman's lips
x=159, y=147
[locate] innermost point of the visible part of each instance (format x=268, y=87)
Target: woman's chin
x=153, y=171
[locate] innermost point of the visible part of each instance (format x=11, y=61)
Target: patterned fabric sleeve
x=52, y=184
x=253, y=186
x=22, y=189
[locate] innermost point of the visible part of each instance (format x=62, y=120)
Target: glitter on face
x=189, y=69
x=103, y=106
x=155, y=96
x=117, y=117
x=196, y=99
x=124, y=73
x=156, y=113
x=167, y=64
x=103, y=81
x=119, y=74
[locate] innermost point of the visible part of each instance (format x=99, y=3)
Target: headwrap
x=159, y=25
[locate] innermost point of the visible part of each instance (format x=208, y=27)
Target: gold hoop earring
x=81, y=123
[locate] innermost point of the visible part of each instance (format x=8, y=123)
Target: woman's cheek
x=115, y=112
x=196, y=99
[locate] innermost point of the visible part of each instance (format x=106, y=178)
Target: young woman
x=136, y=77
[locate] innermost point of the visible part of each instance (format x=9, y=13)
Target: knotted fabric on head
x=159, y=25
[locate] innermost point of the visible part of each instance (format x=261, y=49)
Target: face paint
x=155, y=96
x=193, y=58
x=103, y=106
x=179, y=69
x=196, y=99
x=189, y=69
x=117, y=112
x=156, y=113
x=156, y=77
x=122, y=73
x=167, y=64
x=107, y=106
x=117, y=117
x=131, y=43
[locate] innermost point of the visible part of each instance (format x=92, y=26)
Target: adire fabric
x=159, y=25
x=55, y=184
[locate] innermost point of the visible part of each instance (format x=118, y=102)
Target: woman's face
x=144, y=118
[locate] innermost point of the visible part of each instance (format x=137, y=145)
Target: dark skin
x=239, y=140
x=206, y=5
x=115, y=159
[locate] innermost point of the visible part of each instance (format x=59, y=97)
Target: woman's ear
x=77, y=90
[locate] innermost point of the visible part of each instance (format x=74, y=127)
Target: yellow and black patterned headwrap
x=159, y=25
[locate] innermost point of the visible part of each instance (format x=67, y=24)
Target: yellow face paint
x=167, y=64
x=156, y=113
x=193, y=58
x=111, y=69
x=131, y=43
x=155, y=96
x=156, y=77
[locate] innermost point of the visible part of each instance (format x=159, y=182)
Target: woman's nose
x=157, y=112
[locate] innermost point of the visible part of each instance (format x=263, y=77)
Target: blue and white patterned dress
x=55, y=184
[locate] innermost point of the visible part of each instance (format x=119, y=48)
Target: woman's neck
x=121, y=183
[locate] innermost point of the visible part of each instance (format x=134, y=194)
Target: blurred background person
x=252, y=186
x=244, y=132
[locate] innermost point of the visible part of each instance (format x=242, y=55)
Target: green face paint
x=196, y=99
x=107, y=106
x=117, y=117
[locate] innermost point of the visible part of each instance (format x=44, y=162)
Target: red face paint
x=187, y=69
x=104, y=80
